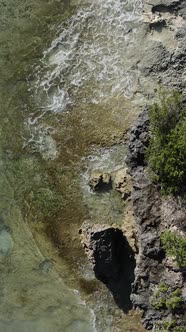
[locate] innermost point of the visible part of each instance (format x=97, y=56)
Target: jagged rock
x=150, y=244
x=156, y=59
x=162, y=5
x=151, y=214
x=121, y=182
x=104, y=246
x=108, y=246
x=173, y=214
x=112, y=259
x=138, y=141
x=100, y=181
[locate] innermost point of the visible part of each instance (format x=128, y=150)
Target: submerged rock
x=46, y=266
x=118, y=180
x=6, y=242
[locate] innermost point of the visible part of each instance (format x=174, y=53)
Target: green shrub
x=164, y=298
x=159, y=304
x=174, y=303
x=160, y=296
x=167, y=148
x=175, y=246
x=180, y=329
x=168, y=325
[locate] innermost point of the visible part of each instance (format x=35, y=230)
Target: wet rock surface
x=163, y=5
x=100, y=181
x=119, y=180
x=151, y=268
x=122, y=182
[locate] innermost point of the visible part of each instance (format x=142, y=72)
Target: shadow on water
x=114, y=265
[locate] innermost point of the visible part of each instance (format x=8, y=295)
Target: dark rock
x=149, y=212
x=150, y=244
x=158, y=25
x=163, y=6
x=166, y=7
x=156, y=59
x=107, y=246
x=138, y=141
x=112, y=259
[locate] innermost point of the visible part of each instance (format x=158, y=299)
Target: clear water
x=67, y=87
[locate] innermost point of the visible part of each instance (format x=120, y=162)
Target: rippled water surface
x=86, y=63
x=67, y=92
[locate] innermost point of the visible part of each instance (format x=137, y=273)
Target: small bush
x=159, y=304
x=175, y=246
x=174, y=303
x=163, y=288
x=168, y=325
x=164, y=298
x=180, y=329
x=167, y=149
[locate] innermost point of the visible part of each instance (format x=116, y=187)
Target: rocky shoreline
x=153, y=275
x=135, y=274
x=156, y=274
x=152, y=216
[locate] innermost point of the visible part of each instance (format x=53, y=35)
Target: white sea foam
x=86, y=63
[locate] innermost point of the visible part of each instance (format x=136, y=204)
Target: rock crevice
x=151, y=268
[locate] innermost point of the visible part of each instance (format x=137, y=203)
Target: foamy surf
x=86, y=62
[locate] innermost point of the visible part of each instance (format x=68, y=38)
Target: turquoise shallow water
x=64, y=99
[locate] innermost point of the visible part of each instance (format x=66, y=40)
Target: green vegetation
x=163, y=288
x=159, y=297
x=175, y=302
x=175, y=246
x=169, y=325
x=180, y=329
x=163, y=299
x=167, y=149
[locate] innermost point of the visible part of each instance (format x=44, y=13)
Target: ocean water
x=67, y=87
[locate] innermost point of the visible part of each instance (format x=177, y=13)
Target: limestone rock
x=106, y=247
x=100, y=181
x=121, y=182
x=112, y=259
